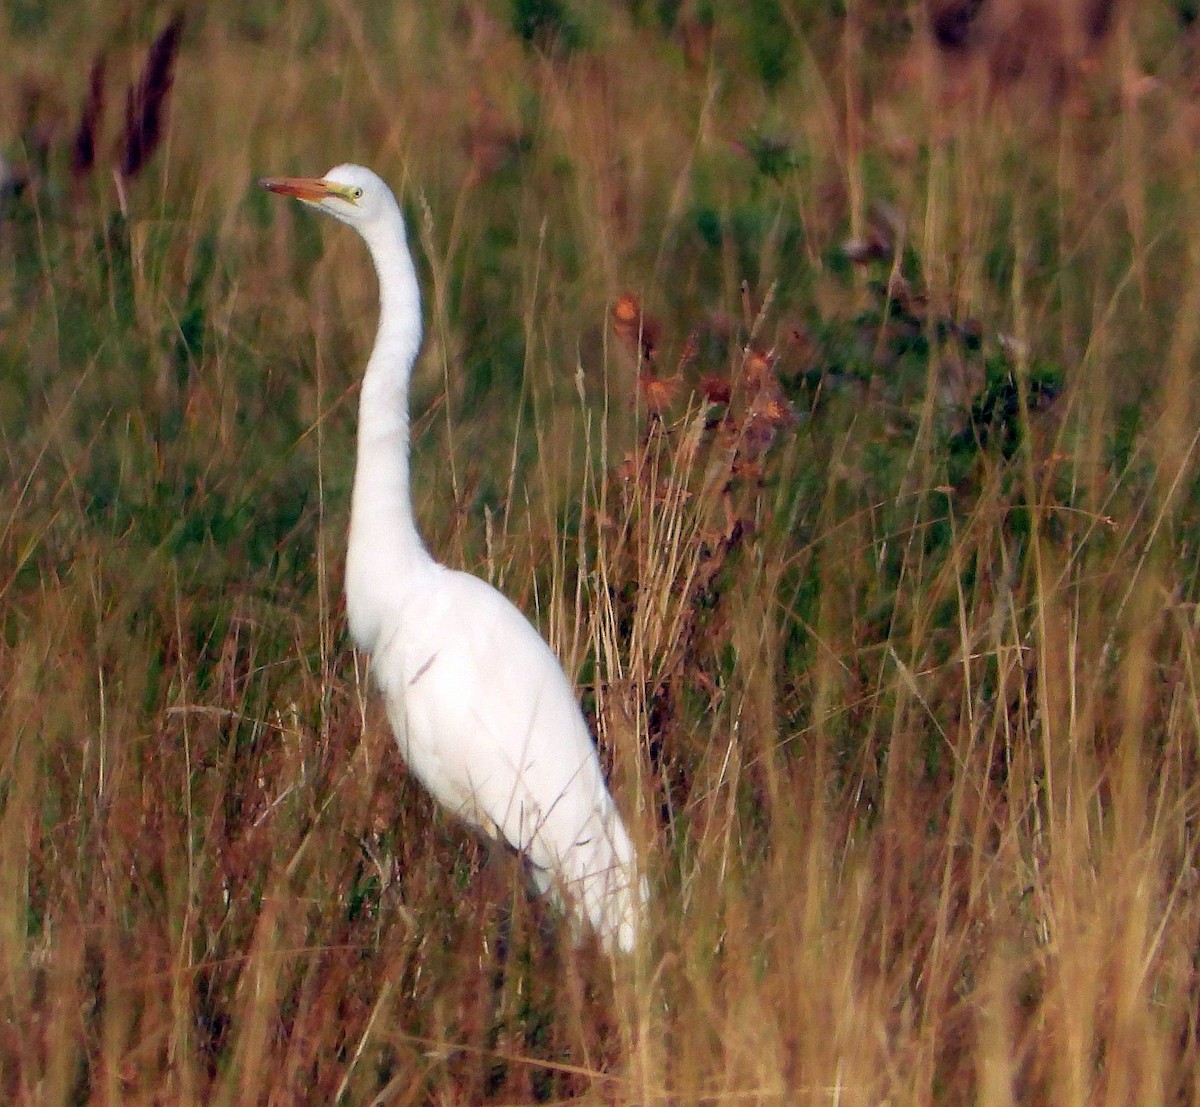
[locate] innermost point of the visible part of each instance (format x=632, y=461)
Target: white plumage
x=481, y=708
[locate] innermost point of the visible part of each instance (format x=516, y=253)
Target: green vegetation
x=823, y=385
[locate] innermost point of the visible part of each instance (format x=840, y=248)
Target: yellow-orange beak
x=312, y=189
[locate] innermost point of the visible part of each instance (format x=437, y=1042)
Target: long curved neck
x=384, y=544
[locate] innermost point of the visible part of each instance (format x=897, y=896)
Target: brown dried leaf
x=758, y=370
x=716, y=390
x=658, y=393
x=775, y=410
x=639, y=331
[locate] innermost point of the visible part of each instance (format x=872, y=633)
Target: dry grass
x=830, y=408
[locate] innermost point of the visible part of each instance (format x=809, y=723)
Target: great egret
x=480, y=706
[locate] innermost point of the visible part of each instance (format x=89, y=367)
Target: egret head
x=351, y=193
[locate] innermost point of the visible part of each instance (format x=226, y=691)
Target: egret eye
x=356, y=193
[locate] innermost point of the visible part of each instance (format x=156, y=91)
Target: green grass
x=898, y=684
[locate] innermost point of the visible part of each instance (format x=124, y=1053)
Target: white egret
x=481, y=708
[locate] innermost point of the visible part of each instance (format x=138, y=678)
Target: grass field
x=821, y=380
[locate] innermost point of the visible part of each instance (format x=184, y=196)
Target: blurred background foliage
x=889, y=310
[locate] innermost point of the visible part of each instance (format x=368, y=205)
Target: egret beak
x=311, y=189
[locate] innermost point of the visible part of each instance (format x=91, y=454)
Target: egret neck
x=385, y=549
